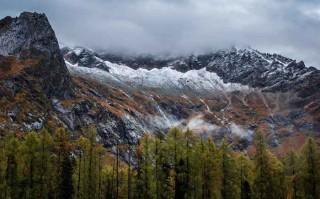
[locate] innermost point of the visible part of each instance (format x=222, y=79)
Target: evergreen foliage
x=178, y=165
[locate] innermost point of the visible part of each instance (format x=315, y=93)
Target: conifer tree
x=189, y=140
x=245, y=174
x=63, y=161
x=30, y=150
x=144, y=168
x=82, y=148
x=66, y=188
x=291, y=169
x=92, y=163
x=176, y=154
x=229, y=178
x=45, y=148
x=270, y=179
x=162, y=166
x=204, y=173
x=11, y=146
x=2, y=169
x=262, y=180
x=310, y=170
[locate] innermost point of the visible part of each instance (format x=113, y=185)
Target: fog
x=287, y=27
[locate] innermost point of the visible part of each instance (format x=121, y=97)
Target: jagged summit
x=31, y=37
x=269, y=72
x=227, y=94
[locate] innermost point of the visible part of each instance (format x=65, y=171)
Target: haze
x=287, y=27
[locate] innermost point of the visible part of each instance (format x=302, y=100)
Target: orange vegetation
x=10, y=65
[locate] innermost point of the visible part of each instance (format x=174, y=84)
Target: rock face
x=226, y=95
x=31, y=37
x=270, y=72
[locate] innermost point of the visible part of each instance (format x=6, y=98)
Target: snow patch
x=165, y=78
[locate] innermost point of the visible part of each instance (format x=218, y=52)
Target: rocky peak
x=83, y=57
x=31, y=37
x=268, y=72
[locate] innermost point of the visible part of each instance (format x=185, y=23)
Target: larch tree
x=45, y=148
x=269, y=182
x=65, y=162
x=244, y=169
x=309, y=170
x=12, y=146
x=229, y=178
x=30, y=150
x=291, y=169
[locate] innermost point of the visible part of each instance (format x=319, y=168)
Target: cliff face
x=31, y=37
x=227, y=95
x=37, y=90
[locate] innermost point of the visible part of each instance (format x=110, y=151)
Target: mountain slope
x=227, y=94
x=34, y=83
x=30, y=37
x=232, y=93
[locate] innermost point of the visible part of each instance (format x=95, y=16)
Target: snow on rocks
x=165, y=78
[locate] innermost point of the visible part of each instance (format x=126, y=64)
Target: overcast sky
x=288, y=27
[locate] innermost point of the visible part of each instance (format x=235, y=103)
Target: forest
x=178, y=164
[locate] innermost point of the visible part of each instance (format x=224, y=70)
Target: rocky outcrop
x=268, y=72
x=251, y=91
x=31, y=37
x=227, y=94
x=83, y=57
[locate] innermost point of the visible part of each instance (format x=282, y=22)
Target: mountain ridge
x=246, y=66
x=227, y=95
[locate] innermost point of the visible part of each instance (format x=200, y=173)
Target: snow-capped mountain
x=243, y=67
x=229, y=92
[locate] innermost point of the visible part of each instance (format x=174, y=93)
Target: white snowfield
x=164, y=78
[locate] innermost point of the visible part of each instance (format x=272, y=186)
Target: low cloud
x=289, y=27
x=239, y=131
x=197, y=124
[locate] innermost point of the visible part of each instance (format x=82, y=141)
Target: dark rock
x=83, y=57
x=31, y=37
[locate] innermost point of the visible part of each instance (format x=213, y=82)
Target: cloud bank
x=288, y=27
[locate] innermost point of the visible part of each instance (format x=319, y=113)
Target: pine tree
x=100, y=152
x=63, y=147
x=262, y=181
x=66, y=188
x=269, y=181
x=92, y=165
x=163, y=168
x=176, y=154
x=189, y=149
x=310, y=170
x=82, y=148
x=30, y=151
x=291, y=164
x=245, y=175
x=139, y=191
x=204, y=172
x=228, y=174
x=145, y=172
x=2, y=168
x=129, y=172
x=11, y=147
x=45, y=145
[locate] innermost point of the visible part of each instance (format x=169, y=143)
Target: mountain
x=227, y=94
x=30, y=38
x=232, y=93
